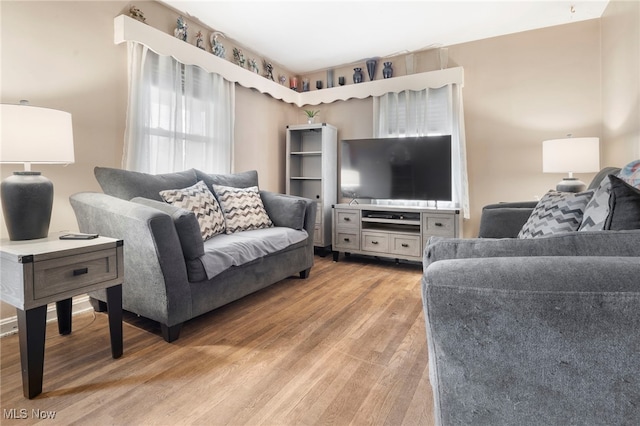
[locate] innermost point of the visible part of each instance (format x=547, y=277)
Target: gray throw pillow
x=126, y=184
x=556, y=212
x=284, y=210
x=624, y=206
x=597, y=210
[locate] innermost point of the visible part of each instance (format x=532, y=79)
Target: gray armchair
x=534, y=331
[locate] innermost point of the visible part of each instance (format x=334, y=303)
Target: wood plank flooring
x=346, y=346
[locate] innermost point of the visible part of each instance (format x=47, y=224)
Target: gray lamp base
x=571, y=185
x=27, y=200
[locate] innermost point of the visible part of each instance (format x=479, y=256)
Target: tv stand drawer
x=406, y=245
x=346, y=218
x=347, y=241
x=439, y=225
x=375, y=241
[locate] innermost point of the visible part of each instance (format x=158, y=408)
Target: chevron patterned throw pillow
x=202, y=203
x=242, y=208
x=597, y=210
x=556, y=212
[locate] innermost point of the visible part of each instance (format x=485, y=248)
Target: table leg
x=32, y=325
x=114, y=311
x=63, y=310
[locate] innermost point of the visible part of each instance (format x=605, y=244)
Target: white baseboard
x=79, y=304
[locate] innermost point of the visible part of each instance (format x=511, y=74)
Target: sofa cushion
x=624, y=206
x=126, y=184
x=236, y=180
x=242, y=208
x=202, y=203
x=225, y=251
x=186, y=224
x=555, y=213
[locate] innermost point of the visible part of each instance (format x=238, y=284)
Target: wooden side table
x=37, y=272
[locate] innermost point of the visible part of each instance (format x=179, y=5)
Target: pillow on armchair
x=597, y=211
x=624, y=206
x=555, y=213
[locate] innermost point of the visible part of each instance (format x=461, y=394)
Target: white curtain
x=178, y=117
x=428, y=112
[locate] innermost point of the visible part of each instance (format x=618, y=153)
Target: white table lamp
x=571, y=155
x=32, y=135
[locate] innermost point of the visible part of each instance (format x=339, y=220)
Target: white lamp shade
x=35, y=135
x=575, y=155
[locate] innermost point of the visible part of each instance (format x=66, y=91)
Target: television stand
x=397, y=232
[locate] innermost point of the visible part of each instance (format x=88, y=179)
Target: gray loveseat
x=534, y=331
x=171, y=275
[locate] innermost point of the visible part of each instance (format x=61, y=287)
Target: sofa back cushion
x=235, y=180
x=126, y=184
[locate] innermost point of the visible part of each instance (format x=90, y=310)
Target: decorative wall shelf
x=128, y=29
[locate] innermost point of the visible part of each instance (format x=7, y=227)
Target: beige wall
x=621, y=82
x=519, y=90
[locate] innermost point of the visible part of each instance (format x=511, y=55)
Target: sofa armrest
x=186, y=225
x=545, y=339
x=504, y=220
x=289, y=210
x=154, y=262
x=583, y=243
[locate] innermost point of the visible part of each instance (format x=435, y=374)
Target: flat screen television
x=409, y=168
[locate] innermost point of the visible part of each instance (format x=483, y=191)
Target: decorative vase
x=329, y=78
x=27, y=199
x=387, y=71
x=371, y=68
x=357, y=75
x=310, y=120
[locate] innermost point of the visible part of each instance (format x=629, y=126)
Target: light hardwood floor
x=346, y=346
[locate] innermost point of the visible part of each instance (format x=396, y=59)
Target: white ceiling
x=307, y=35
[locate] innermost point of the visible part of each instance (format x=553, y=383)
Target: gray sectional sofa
x=534, y=331
x=171, y=274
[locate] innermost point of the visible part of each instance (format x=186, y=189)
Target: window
x=179, y=116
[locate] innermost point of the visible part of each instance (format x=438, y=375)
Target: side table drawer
x=73, y=272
